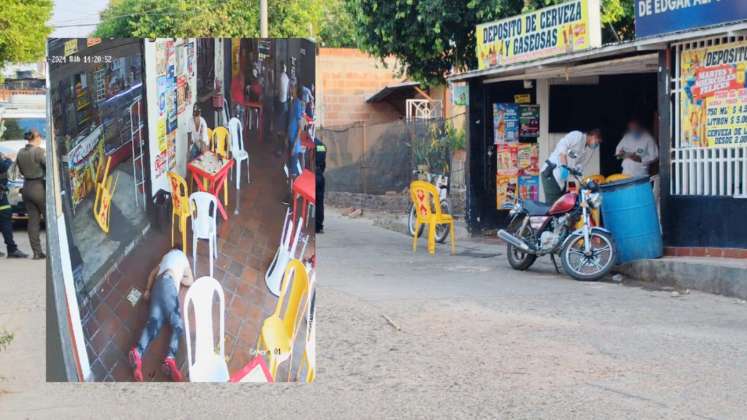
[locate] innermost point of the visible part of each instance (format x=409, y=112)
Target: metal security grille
x=702, y=170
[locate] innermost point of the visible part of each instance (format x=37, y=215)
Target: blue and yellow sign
x=559, y=29
x=654, y=17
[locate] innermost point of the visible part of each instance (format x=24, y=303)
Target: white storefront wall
x=185, y=65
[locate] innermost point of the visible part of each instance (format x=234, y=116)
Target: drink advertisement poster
x=559, y=29
x=505, y=123
x=529, y=121
x=713, y=101
x=529, y=187
x=505, y=188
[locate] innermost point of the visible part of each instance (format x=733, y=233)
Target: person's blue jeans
x=6, y=223
x=164, y=306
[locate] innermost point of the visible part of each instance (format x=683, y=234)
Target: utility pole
x=263, y=18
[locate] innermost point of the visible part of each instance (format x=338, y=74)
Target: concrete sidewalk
x=722, y=276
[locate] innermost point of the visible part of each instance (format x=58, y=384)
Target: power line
x=152, y=13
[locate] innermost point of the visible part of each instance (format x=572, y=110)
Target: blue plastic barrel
x=629, y=212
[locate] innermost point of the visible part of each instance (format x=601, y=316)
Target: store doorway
x=608, y=103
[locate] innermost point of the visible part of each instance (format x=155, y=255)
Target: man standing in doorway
x=572, y=151
x=637, y=149
x=162, y=291
x=31, y=161
x=6, y=212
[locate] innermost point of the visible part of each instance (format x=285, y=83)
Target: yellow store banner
x=559, y=29
x=713, y=102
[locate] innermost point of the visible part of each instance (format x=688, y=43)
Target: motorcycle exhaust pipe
x=513, y=240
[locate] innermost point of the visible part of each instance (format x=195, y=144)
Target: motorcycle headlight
x=595, y=200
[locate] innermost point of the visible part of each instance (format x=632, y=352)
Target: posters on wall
x=459, y=94
x=713, y=104
x=517, y=171
x=529, y=121
x=563, y=28
x=505, y=123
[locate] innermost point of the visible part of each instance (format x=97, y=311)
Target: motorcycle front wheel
x=592, y=266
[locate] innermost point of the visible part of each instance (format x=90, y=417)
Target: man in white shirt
x=637, y=149
x=282, y=100
x=197, y=132
x=163, y=292
x=572, y=151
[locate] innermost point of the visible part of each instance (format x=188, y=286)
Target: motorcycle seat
x=536, y=208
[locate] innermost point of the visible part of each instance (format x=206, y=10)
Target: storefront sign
x=80, y=154
x=713, y=104
x=523, y=98
x=654, y=17
x=563, y=28
x=71, y=47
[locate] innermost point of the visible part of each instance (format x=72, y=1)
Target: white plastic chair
x=204, y=208
x=237, y=149
x=286, y=251
x=208, y=364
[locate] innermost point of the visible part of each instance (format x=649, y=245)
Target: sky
x=75, y=12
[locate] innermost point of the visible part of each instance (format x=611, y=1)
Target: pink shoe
x=137, y=364
x=170, y=369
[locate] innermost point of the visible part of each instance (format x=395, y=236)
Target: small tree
x=431, y=37
x=23, y=30
x=224, y=18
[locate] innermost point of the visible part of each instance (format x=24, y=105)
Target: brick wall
x=345, y=77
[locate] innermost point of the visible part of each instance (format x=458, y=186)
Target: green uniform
x=32, y=164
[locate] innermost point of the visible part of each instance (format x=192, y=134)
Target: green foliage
x=455, y=136
x=221, y=18
x=10, y=129
x=431, y=37
x=23, y=30
x=5, y=339
x=428, y=37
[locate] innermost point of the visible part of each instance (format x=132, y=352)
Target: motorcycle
x=566, y=228
x=442, y=183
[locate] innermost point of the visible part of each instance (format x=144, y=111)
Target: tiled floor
x=247, y=244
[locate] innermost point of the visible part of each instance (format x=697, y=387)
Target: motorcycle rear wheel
x=518, y=259
x=603, y=258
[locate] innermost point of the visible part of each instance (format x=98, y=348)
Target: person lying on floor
x=163, y=293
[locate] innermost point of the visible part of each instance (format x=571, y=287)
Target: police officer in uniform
x=31, y=162
x=321, y=165
x=6, y=212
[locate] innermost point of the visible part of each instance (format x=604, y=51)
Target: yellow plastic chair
x=210, y=138
x=102, y=205
x=219, y=145
x=278, y=333
x=180, y=206
x=425, y=198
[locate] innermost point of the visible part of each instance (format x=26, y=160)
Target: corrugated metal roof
x=384, y=92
